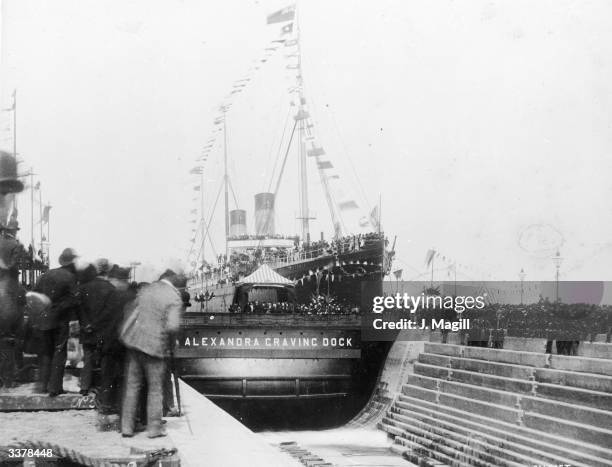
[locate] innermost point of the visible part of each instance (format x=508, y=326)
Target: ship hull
x=288, y=370
x=282, y=371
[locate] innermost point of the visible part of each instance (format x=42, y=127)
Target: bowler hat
x=167, y=274
x=67, y=257
x=117, y=272
x=9, y=183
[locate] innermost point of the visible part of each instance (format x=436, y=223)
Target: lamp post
x=133, y=266
x=557, y=260
x=522, y=275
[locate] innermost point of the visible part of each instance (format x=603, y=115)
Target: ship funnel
x=237, y=223
x=264, y=214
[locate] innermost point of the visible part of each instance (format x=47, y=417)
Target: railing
x=272, y=320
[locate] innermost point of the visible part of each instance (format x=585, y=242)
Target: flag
x=316, y=151
x=193, y=211
x=290, y=43
x=364, y=222
x=375, y=218
x=324, y=165
x=287, y=29
x=37, y=186
x=429, y=257
x=45, y=214
x=286, y=14
x=196, y=171
x=350, y=204
x=398, y=274
x=334, y=177
x=196, y=188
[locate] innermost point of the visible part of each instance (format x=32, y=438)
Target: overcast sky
x=485, y=126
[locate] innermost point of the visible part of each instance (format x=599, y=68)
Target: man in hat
x=60, y=286
x=95, y=314
x=145, y=333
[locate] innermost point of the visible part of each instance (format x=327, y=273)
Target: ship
x=274, y=335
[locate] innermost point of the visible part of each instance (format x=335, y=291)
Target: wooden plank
x=28, y=402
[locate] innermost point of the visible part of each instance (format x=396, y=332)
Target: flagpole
x=433, y=257
x=32, y=207
x=203, y=232
x=40, y=208
x=15, y=135
x=379, y=212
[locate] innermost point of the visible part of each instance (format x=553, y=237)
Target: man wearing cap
x=145, y=333
x=95, y=314
x=60, y=286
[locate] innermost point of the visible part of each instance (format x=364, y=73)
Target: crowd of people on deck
x=238, y=264
x=127, y=332
x=322, y=305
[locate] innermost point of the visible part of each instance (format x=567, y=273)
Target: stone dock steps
x=475, y=406
x=582, y=380
x=506, y=431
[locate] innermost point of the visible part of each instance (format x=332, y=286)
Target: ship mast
x=301, y=117
x=225, y=182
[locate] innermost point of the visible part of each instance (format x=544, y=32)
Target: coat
x=60, y=286
x=155, y=315
x=97, y=310
x=121, y=301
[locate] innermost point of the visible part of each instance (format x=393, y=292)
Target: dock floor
x=342, y=447
x=205, y=435
x=210, y=436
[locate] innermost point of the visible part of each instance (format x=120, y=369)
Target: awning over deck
x=264, y=275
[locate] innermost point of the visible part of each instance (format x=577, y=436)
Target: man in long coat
x=113, y=353
x=95, y=316
x=145, y=334
x=60, y=286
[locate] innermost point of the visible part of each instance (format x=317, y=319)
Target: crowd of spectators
x=543, y=319
x=240, y=264
x=322, y=305
x=264, y=237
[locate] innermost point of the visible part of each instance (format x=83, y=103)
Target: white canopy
x=264, y=275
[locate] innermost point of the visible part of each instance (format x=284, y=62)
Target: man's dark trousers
x=54, y=345
x=91, y=359
x=111, y=372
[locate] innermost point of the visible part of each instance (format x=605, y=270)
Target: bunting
x=350, y=204
x=280, y=16
x=316, y=152
x=287, y=29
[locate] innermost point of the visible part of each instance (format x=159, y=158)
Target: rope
x=149, y=458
